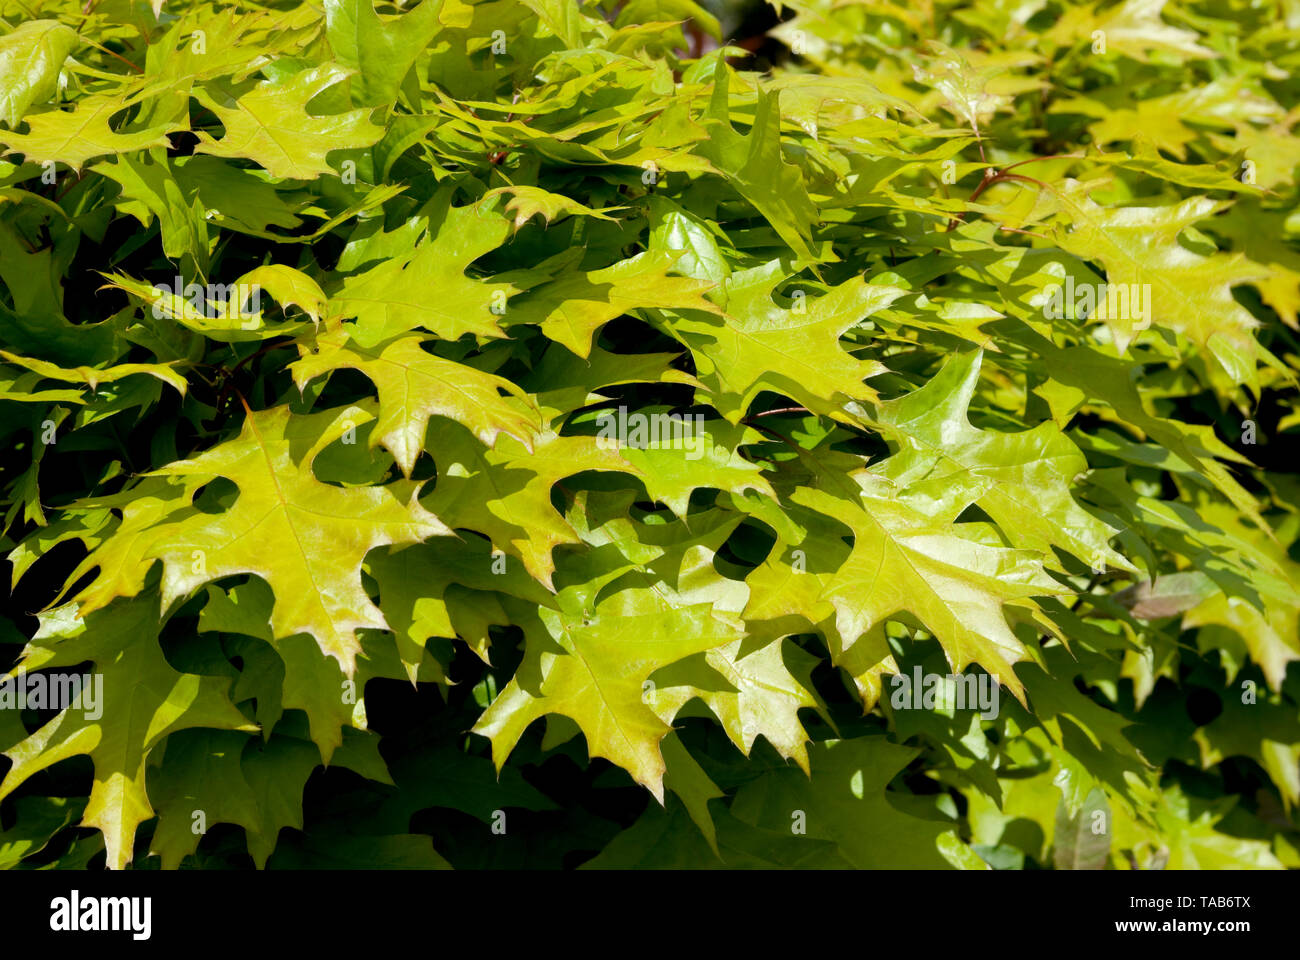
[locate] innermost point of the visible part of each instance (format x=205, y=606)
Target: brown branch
x=228, y=376
x=1054, y=156
x=776, y=433
x=68, y=186
x=104, y=49
x=991, y=177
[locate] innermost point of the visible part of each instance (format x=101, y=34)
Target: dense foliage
x=377, y=382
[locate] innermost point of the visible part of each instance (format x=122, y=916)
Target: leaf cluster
x=317, y=322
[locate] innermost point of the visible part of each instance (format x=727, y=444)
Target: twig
x=776, y=433
x=991, y=177
x=101, y=47
x=228, y=376
x=1054, y=156
x=68, y=186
